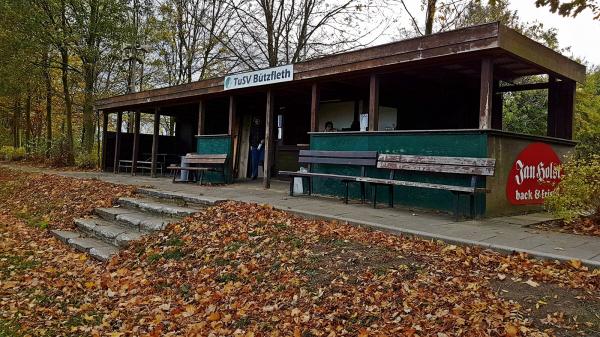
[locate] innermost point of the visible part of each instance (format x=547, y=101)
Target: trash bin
x=298, y=187
x=183, y=176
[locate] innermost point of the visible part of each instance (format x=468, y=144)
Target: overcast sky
x=582, y=33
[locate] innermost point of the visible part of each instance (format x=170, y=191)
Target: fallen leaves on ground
x=583, y=226
x=248, y=270
x=47, y=200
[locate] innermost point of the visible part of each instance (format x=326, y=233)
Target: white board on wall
x=341, y=114
x=388, y=117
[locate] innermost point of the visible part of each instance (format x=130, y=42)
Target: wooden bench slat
x=472, y=170
x=338, y=161
x=206, y=156
x=338, y=154
x=322, y=175
x=192, y=168
x=465, y=189
x=204, y=160
x=463, y=161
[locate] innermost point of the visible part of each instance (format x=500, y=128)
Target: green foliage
x=9, y=328
x=59, y=152
x=572, y=7
x=86, y=160
x=588, y=146
x=526, y=112
x=12, y=153
x=578, y=194
x=587, y=111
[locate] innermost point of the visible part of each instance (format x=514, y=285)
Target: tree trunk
x=89, y=59
x=16, y=122
x=88, y=109
x=430, y=16
x=64, y=65
x=48, y=80
x=68, y=105
x=28, y=121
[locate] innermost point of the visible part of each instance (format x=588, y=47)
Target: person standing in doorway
x=257, y=145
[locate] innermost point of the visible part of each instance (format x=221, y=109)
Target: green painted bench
x=198, y=164
x=362, y=159
x=476, y=168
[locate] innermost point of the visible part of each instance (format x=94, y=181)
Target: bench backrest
x=457, y=165
x=195, y=158
x=355, y=158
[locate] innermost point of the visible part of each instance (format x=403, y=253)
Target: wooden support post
x=568, y=91
x=136, y=143
x=155, y=142
x=201, y=117
x=486, y=93
x=104, y=135
x=373, y=103
x=497, y=107
x=268, y=140
x=231, y=115
x=314, y=108
x=118, y=141
x=561, y=104
x=231, y=132
x=553, y=107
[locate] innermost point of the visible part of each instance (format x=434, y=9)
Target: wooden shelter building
x=440, y=95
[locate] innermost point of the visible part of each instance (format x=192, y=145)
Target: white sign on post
x=259, y=77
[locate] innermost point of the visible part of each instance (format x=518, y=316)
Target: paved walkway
x=504, y=234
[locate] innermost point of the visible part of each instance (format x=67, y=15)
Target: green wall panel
x=458, y=143
x=217, y=144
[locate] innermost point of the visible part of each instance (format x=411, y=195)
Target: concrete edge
x=447, y=239
x=394, y=230
x=191, y=198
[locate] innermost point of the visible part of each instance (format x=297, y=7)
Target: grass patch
x=84, y=319
x=294, y=241
x=242, y=323
x=15, y=263
x=219, y=261
x=173, y=254
x=234, y=246
x=224, y=278
x=9, y=329
x=152, y=258
x=174, y=242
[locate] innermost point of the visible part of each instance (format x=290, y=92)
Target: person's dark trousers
x=257, y=156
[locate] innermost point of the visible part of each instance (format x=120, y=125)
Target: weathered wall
x=505, y=147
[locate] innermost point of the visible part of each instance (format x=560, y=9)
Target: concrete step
x=101, y=236
x=195, y=200
x=98, y=249
x=111, y=213
x=149, y=205
x=109, y=232
x=136, y=219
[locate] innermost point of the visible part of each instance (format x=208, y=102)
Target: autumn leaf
x=215, y=316
x=511, y=330
x=575, y=263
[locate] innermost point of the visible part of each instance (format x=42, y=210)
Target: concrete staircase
x=111, y=229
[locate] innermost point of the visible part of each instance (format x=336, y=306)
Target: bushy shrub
x=6, y=152
x=588, y=145
x=86, y=161
x=19, y=153
x=59, y=153
x=578, y=194
x=12, y=153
